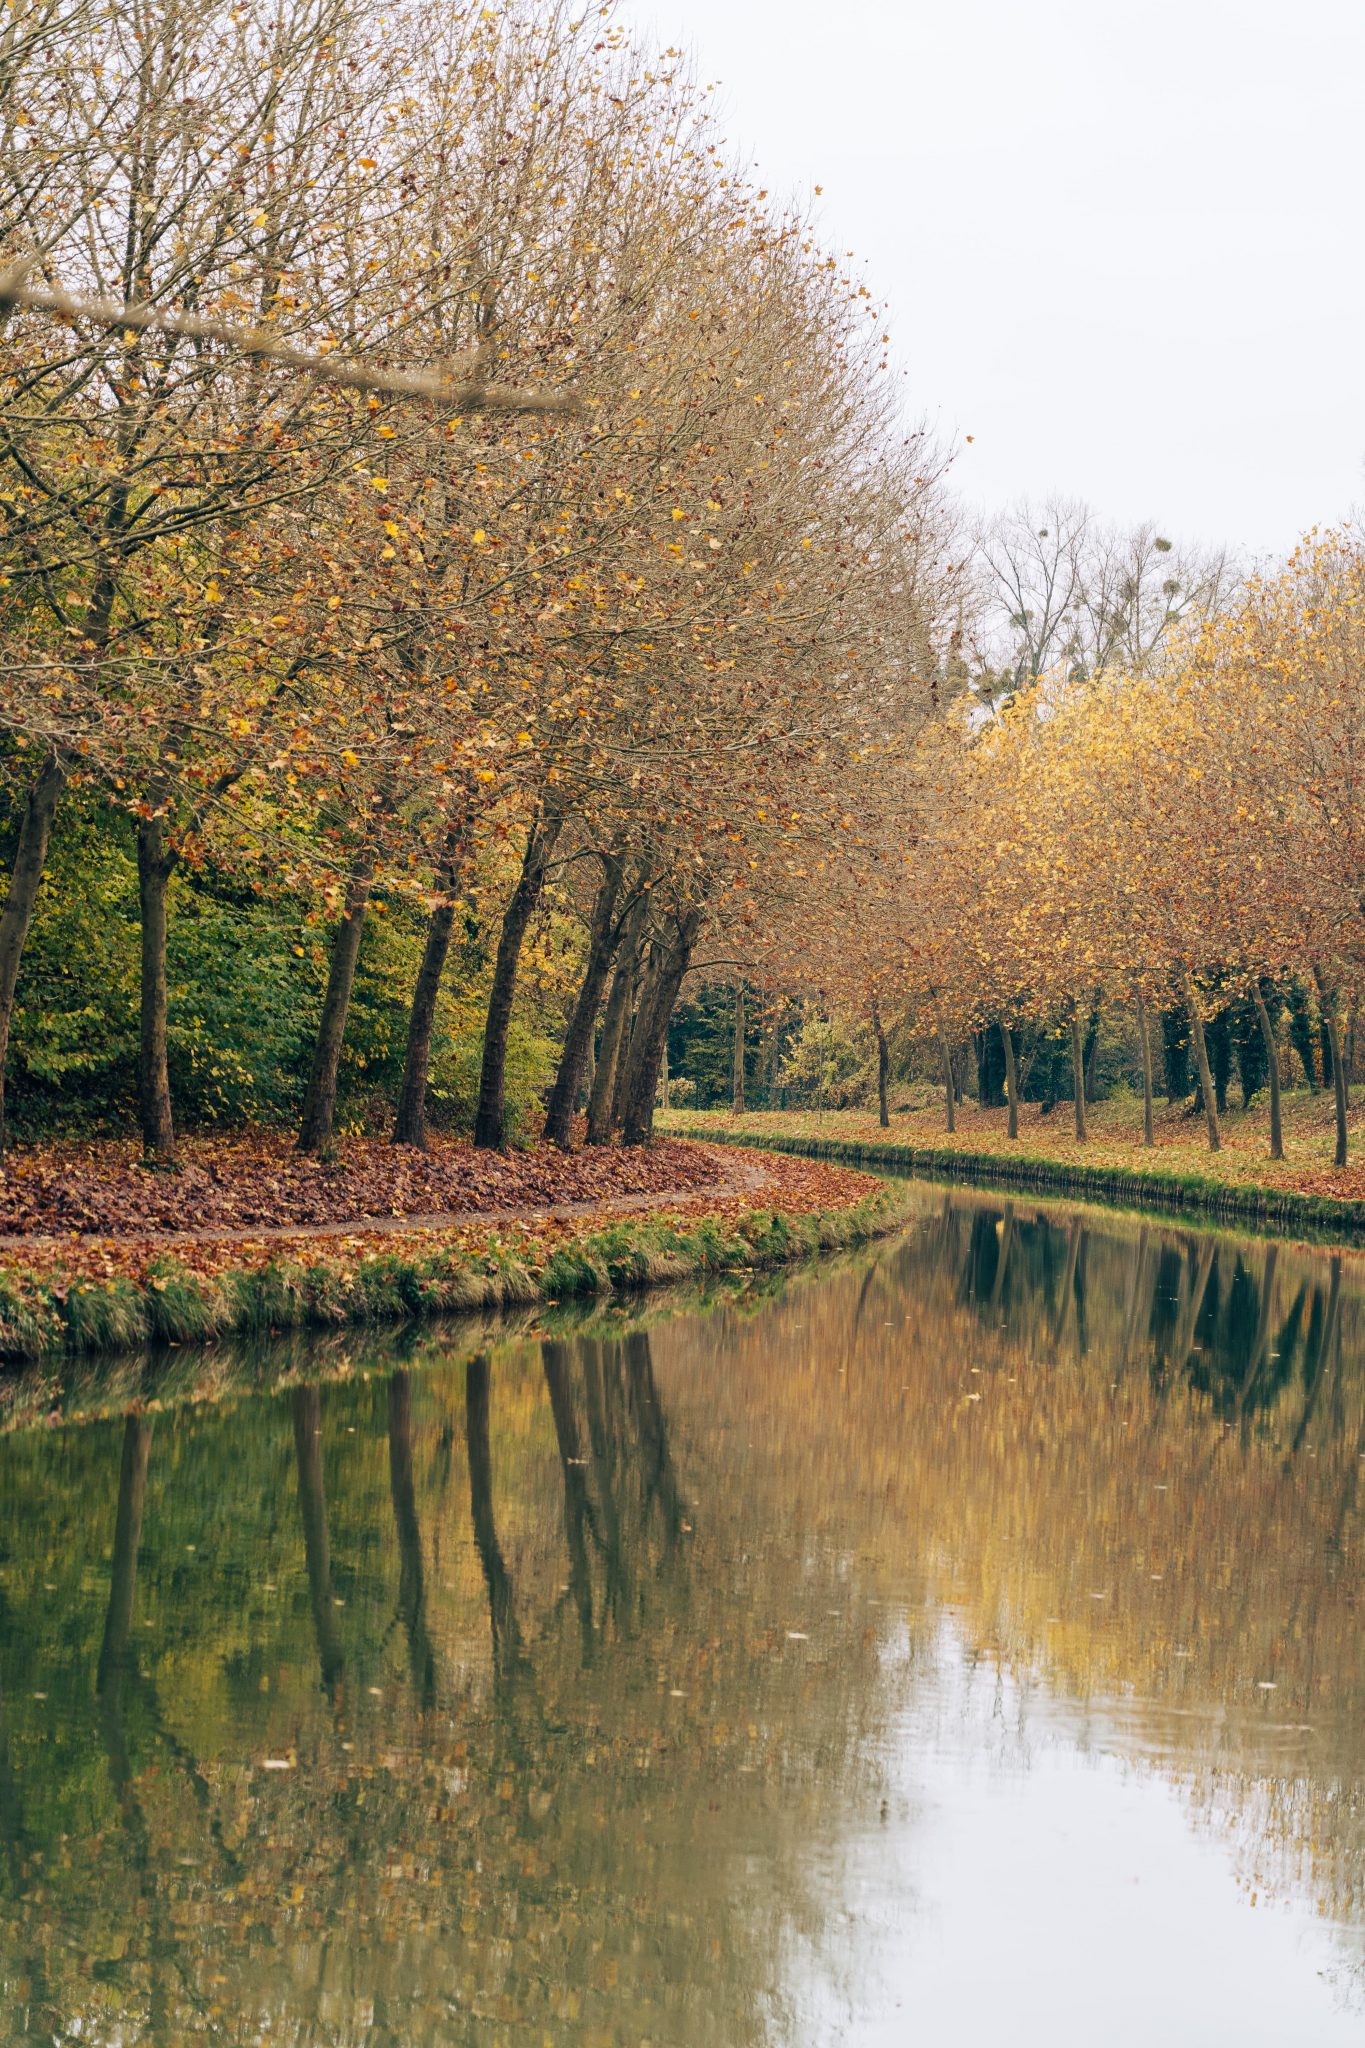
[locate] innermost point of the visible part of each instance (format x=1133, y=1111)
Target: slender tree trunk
x=490, y=1121
x=637, y=1122
x=1201, y=1059
x=609, y=1052
x=603, y=938
x=1011, y=1079
x=1090, y=1058
x=1078, y=1073
x=1272, y=1068
x=26, y=874
x=883, y=1071
x=1341, y=1097
x=410, y=1123
x=663, y=1074
x=1148, y=1129
x=633, y=1040
x=155, y=863
x=320, y=1099
x=949, y=1083
x=737, y=1059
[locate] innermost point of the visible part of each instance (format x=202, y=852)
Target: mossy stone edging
x=41, y=1316
x=1323, y=1216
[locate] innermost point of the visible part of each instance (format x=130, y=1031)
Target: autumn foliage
x=571, y=636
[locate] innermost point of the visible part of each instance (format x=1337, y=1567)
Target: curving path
x=739, y=1174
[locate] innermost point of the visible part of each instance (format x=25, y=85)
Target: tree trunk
x=26, y=874
x=1148, y=1131
x=1092, y=1050
x=883, y=1070
x=633, y=1039
x=637, y=1121
x=949, y=1084
x=1078, y=1073
x=320, y=1100
x=1011, y=1079
x=1201, y=1060
x=603, y=938
x=737, y=1060
x=410, y=1123
x=663, y=1074
x=490, y=1121
x=609, y=1052
x=155, y=862
x=1272, y=1064
x=1332, y=1026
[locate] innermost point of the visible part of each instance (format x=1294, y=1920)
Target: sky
x=1120, y=246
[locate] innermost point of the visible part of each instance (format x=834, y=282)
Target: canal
x=959, y=1641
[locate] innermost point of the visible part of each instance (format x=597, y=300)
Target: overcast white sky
x=1122, y=245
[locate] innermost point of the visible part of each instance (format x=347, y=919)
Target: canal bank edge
x=1322, y=1218
x=48, y=1315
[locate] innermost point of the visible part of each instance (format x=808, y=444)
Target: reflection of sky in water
x=1029, y=1878
x=958, y=1644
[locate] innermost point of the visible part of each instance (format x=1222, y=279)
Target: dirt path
x=739, y=1175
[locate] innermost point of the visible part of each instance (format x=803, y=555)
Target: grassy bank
x=1301, y=1193
x=46, y=1313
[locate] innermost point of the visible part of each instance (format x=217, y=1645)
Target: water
x=957, y=1643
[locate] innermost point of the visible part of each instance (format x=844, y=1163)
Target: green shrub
x=246, y=972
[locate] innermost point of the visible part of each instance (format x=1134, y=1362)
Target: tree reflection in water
x=518, y=1694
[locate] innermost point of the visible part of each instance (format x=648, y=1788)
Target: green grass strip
x=49, y=1315
x=1321, y=1217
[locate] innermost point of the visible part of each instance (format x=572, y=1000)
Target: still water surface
x=958, y=1643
